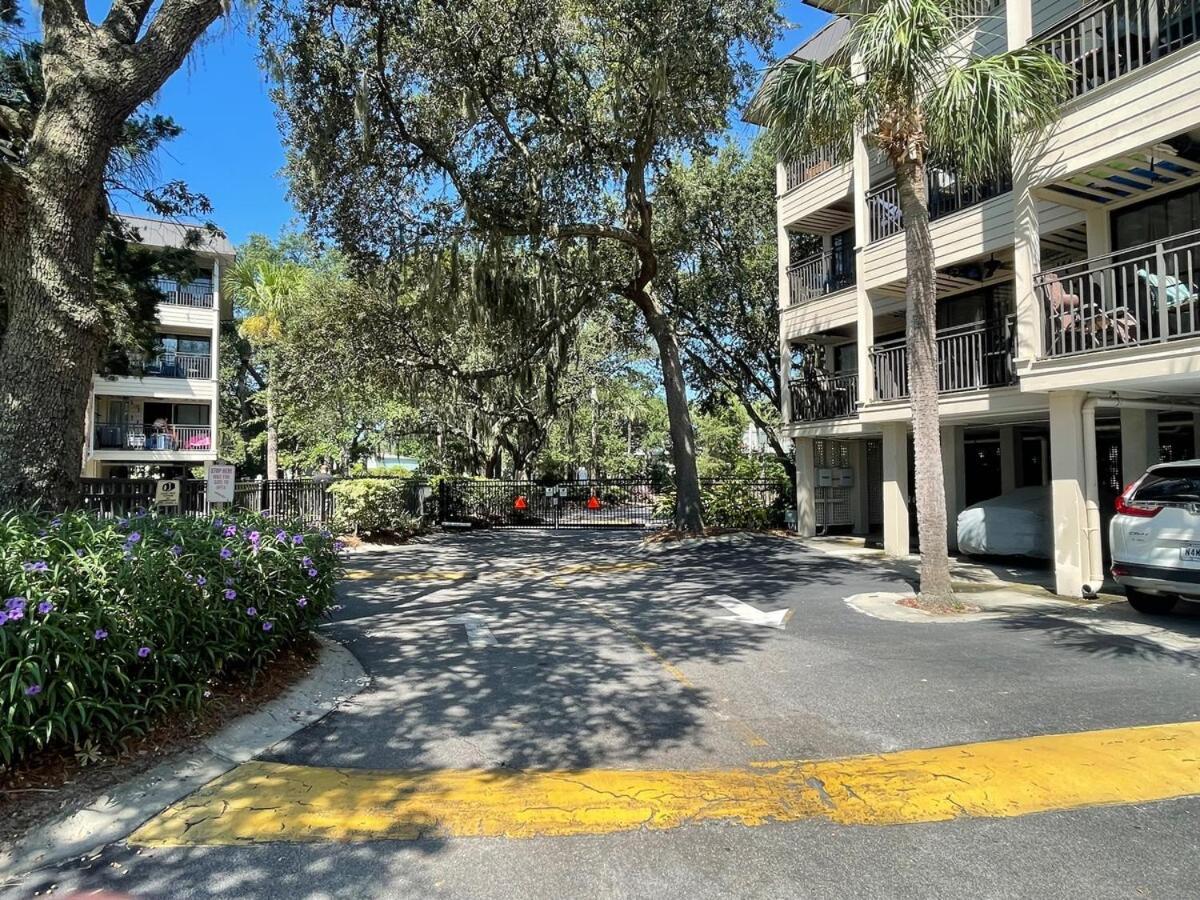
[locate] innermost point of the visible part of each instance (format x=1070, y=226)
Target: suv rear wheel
x=1150, y=604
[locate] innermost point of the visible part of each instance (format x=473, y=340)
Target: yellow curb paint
x=266, y=802
x=600, y=568
x=385, y=575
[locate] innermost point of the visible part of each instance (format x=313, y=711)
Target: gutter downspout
x=1094, y=568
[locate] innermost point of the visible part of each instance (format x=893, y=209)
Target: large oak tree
x=547, y=121
x=53, y=208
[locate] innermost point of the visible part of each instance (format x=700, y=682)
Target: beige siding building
x=164, y=418
x=1069, y=294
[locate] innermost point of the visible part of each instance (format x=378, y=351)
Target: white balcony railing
x=819, y=275
x=1142, y=295
x=1106, y=40
x=198, y=294
x=179, y=365
x=972, y=356
x=141, y=437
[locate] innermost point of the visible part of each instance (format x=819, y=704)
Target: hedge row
x=106, y=624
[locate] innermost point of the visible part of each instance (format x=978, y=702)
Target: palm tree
x=904, y=81
x=265, y=289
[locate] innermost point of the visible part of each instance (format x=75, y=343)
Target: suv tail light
x=1128, y=507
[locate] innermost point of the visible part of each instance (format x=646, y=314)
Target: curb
x=336, y=677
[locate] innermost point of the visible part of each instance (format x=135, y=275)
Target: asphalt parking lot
x=501, y=660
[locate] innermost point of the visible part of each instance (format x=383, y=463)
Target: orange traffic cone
x=593, y=502
x=520, y=503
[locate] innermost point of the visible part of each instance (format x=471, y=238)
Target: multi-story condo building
x=163, y=418
x=1068, y=293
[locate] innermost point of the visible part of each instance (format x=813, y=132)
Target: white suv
x=1155, y=537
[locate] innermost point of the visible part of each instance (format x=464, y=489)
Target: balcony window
x=197, y=293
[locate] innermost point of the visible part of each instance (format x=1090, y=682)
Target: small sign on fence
x=220, y=483
x=167, y=493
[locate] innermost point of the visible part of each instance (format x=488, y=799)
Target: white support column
x=1026, y=244
x=860, y=491
x=1099, y=232
x=1139, y=442
x=1010, y=458
x=1019, y=19
x=806, y=507
x=785, y=380
x=954, y=458
x=213, y=415
x=1067, y=491
x=865, y=311
x=896, y=540
x=782, y=242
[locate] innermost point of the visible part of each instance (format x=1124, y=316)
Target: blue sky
x=230, y=148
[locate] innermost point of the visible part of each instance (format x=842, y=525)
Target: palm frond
x=902, y=45
x=806, y=105
x=987, y=106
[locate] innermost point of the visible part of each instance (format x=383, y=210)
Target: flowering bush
x=105, y=624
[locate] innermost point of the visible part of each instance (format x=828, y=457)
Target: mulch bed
x=55, y=781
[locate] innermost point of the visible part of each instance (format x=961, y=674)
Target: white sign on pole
x=220, y=484
x=166, y=493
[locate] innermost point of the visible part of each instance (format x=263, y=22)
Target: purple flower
x=230, y=594
x=139, y=513
x=201, y=581
x=298, y=539
x=267, y=626
x=56, y=522
x=134, y=537
x=226, y=553
x=218, y=523
x=16, y=614
x=228, y=582
x=339, y=546
x=100, y=634
x=45, y=607
x=122, y=523
x=281, y=536
x=80, y=552
x=33, y=690
x=231, y=531
x=3, y=617
x=306, y=563
x=326, y=534
x=251, y=611
x=143, y=652
x=302, y=602
x=312, y=573
x=177, y=550
x=14, y=602
x=39, y=566
x=254, y=537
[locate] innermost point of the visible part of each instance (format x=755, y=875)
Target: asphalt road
x=590, y=655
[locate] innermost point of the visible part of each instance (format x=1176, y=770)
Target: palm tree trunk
x=272, y=438
x=921, y=298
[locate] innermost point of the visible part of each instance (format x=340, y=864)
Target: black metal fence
x=480, y=503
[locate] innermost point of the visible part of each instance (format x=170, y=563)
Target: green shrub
x=110, y=623
x=375, y=506
x=729, y=504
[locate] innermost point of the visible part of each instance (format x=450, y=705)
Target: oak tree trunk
x=272, y=438
x=689, y=514
x=921, y=299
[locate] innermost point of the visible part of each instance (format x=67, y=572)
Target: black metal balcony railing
x=178, y=365
x=972, y=356
x=1111, y=38
x=815, y=162
x=821, y=396
x=819, y=275
x=947, y=194
x=196, y=293
x=110, y=436
x=1142, y=295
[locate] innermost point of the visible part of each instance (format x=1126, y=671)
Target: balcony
x=197, y=294
x=1106, y=40
x=1142, y=295
x=141, y=437
x=178, y=365
x=820, y=396
x=818, y=276
x=816, y=162
x=947, y=194
x=972, y=356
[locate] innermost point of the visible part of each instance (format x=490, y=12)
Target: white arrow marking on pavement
x=478, y=633
x=744, y=612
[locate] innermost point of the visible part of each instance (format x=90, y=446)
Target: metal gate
x=604, y=503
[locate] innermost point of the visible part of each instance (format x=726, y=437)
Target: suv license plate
x=1191, y=552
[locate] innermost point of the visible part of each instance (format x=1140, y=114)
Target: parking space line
x=263, y=802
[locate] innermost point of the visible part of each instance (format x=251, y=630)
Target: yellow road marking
x=265, y=802
x=385, y=575
x=585, y=568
